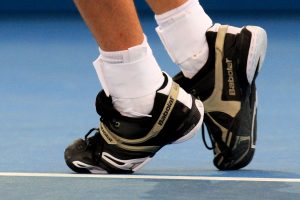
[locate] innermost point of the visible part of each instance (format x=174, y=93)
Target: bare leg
x=115, y=26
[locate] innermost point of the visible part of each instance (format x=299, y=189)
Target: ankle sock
x=182, y=31
x=131, y=77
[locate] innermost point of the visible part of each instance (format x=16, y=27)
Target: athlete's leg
x=141, y=108
x=124, y=54
x=115, y=25
x=219, y=66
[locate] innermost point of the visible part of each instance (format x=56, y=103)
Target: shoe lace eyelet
x=115, y=123
x=193, y=92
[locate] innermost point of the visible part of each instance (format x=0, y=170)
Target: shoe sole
x=257, y=51
x=256, y=57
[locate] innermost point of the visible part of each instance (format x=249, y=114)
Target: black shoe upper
x=232, y=135
x=122, y=143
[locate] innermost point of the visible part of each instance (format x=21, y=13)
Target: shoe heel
x=193, y=132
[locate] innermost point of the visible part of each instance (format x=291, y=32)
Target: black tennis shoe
x=226, y=86
x=123, y=144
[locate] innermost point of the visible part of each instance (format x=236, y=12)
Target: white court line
x=155, y=177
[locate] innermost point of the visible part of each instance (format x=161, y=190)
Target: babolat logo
x=231, y=88
x=166, y=112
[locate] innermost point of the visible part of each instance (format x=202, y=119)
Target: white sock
x=182, y=31
x=131, y=77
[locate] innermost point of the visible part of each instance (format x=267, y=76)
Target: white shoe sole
x=257, y=51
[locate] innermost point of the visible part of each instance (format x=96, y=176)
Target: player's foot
x=226, y=85
x=123, y=145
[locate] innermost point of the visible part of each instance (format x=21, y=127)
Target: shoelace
x=204, y=138
x=225, y=150
x=97, y=150
x=88, y=133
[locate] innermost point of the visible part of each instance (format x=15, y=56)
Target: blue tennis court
x=48, y=86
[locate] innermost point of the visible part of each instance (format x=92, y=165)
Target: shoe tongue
x=104, y=106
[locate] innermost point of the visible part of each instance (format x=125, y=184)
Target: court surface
x=47, y=89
